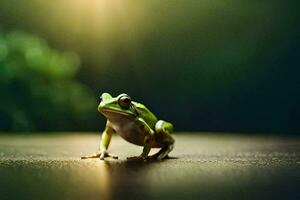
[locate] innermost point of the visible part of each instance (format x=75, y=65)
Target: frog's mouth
x=108, y=113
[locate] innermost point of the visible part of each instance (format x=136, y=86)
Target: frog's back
x=146, y=114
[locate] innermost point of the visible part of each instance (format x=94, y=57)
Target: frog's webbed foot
x=155, y=157
x=95, y=155
x=100, y=155
x=137, y=158
x=105, y=154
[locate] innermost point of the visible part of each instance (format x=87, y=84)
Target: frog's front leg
x=105, y=141
x=147, y=141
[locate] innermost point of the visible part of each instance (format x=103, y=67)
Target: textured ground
x=203, y=166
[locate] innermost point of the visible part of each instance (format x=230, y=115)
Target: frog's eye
x=125, y=101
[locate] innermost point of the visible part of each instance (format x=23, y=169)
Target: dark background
x=205, y=65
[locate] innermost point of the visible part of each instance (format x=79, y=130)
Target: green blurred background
x=205, y=65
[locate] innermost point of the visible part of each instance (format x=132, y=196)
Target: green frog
x=135, y=123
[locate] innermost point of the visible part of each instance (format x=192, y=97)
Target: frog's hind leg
x=163, y=137
x=162, y=126
x=163, y=152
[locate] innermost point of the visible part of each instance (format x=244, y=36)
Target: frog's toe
x=95, y=155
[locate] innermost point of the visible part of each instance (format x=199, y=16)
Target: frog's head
x=112, y=107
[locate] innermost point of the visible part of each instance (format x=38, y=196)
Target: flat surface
x=203, y=166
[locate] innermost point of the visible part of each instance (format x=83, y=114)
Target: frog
x=136, y=124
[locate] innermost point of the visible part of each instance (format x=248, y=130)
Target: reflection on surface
x=100, y=179
x=114, y=180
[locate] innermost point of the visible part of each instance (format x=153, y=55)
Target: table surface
x=202, y=166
